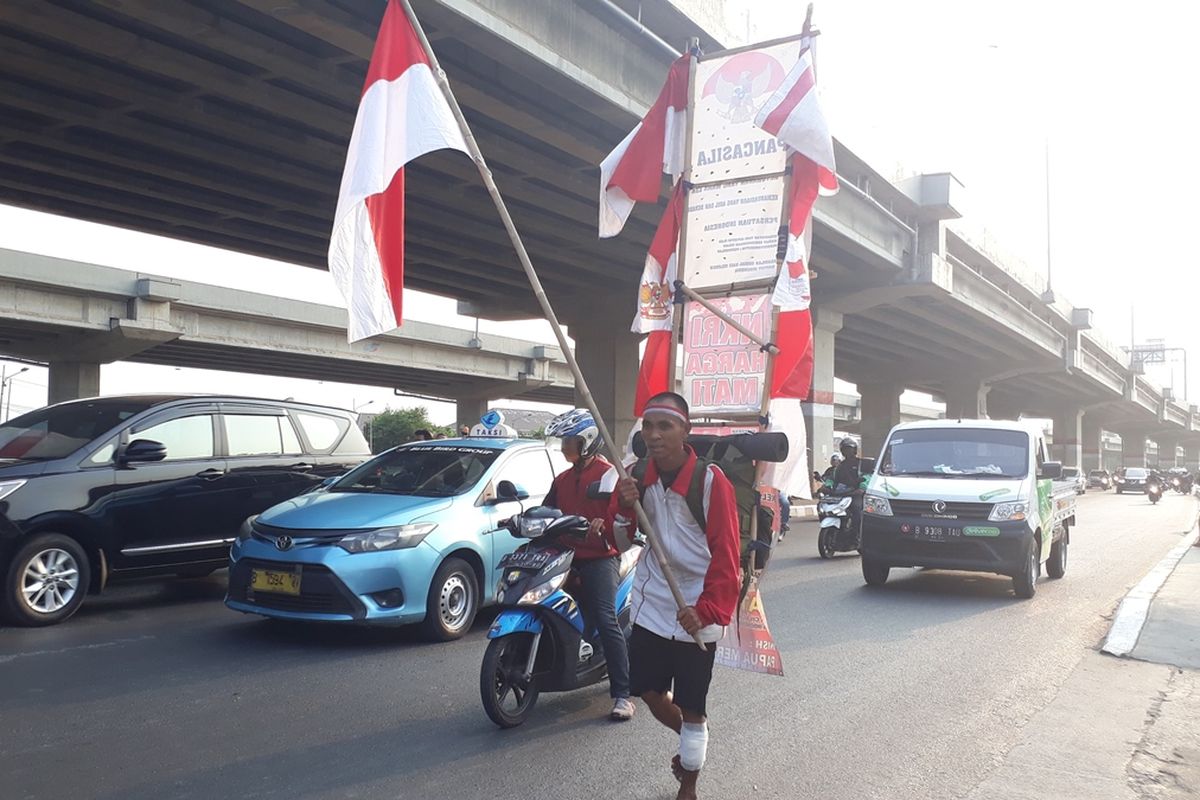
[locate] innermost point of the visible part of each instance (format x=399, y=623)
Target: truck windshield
x=421, y=471
x=957, y=452
x=58, y=431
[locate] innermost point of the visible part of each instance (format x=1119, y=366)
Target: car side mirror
x=508, y=492
x=143, y=451
x=1051, y=470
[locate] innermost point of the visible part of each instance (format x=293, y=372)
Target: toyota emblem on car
x=284, y=543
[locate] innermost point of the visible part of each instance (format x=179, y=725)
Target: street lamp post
x=5, y=391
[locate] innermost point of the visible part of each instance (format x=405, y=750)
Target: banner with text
x=723, y=371
x=732, y=233
x=727, y=93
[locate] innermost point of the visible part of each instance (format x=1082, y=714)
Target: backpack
x=733, y=454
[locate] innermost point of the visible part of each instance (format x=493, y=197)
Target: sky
x=976, y=87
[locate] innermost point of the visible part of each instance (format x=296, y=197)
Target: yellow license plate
x=265, y=580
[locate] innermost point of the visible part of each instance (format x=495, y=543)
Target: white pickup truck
x=976, y=495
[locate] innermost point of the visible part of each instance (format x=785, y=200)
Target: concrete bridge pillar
x=72, y=380
x=818, y=413
x=1168, y=450
x=608, y=357
x=1067, y=437
x=880, y=413
x=1092, y=447
x=1191, y=457
x=966, y=398
x=468, y=411
x=1133, y=448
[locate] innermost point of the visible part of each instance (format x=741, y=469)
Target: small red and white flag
x=655, y=314
x=793, y=115
x=632, y=172
x=402, y=115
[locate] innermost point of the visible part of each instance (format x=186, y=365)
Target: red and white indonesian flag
x=632, y=172
x=402, y=115
x=655, y=313
x=793, y=115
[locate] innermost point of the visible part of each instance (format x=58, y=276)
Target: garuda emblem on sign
x=655, y=301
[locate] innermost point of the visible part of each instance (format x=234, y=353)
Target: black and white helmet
x=578, y=422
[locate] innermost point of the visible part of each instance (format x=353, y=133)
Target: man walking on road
x=667, y=670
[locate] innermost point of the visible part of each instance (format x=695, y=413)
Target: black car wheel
x=47, y=580
x=874, y=573
x=1056, y=567
x=452, y=602
x=508, y=697
x=1025, y=581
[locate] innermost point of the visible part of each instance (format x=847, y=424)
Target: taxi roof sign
x=491, y=426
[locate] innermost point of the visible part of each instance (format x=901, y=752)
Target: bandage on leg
x=693, y=745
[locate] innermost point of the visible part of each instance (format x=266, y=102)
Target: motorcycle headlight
x=543, y=590
x=878, y=506
x=247, y=529
x=1009, y=512
x=400, y=537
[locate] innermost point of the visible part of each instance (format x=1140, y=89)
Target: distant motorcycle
x=1154, y=489
x=836, y=534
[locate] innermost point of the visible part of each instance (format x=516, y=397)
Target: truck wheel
x=1056, y=567
x=452, y=602
x=47, y=580
x=874, y=573
x=1025, y=581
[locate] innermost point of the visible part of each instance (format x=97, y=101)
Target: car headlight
x=400, y=537
x=878, y=506
x=8, y=487
x=543, y=590
x=247, y=529
x=1009, y=512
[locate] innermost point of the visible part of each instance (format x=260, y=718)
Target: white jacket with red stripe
x=705, y=560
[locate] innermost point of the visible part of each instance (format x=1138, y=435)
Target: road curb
x=1131, y=614
x=803, y=509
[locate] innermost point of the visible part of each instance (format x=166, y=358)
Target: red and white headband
x=670, y=411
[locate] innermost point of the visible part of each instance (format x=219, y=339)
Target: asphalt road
x=917, y=690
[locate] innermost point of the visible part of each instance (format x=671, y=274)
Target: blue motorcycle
x=537, y=641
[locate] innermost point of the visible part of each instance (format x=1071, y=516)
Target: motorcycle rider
x=848, y=474
x=596, y=560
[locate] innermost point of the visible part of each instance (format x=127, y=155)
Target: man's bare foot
x=676, y=768
x=687, y=784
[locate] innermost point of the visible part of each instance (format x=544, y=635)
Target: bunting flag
x=632, y=172
x=402, y=115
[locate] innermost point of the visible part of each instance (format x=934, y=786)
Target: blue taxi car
x=411, y=536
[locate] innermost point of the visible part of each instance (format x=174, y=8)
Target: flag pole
x=547, y=309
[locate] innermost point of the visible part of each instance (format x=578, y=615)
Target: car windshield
x=957, y=452
x=58, y=431
x=421, y=471
x=1135, y=472
x=1097, y=473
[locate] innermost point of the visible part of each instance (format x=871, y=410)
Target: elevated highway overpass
x=75, y=316
x=226, y=123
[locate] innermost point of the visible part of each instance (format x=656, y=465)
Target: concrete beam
x=818, y=413
x=1067, y=437
x=880, y=413
x=73, y=380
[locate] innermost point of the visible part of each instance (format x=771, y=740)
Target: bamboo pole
x=490, y=183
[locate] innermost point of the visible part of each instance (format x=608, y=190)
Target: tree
x=393, y=427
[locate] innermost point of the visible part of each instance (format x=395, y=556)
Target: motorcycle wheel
x=825, y=543
x=507, y=698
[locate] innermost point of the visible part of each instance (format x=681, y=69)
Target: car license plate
x=535, y=559
x=266, y=580
x=936, y=533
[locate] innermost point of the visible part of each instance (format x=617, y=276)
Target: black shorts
x=661, y=665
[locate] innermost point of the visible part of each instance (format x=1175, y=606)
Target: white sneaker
x=622, y=710
x=585, y=651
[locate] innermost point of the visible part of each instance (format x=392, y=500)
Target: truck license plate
x=936, y=533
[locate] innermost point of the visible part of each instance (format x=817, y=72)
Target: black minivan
x=110, y=487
